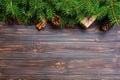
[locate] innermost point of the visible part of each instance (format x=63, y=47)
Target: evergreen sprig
x=70, y=11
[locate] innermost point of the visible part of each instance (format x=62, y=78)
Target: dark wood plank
x=59, y=77
x=71, y=63
x=31, y=50
x=36, y=71
x=60, y=66
x=29, y=55
x=31, y=30
x=30, y=33
x=61, y=37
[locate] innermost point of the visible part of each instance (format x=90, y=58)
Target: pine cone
x=10, y=20
x=41, y=25
x=68, y=26
x=105, y=24
x=56, y=21
x=19, y=22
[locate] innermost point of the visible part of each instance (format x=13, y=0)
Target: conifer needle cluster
x=60, y=12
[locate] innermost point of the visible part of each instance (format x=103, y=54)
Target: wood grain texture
x=59, y=54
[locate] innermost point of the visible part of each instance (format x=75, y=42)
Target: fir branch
x=113, y=12
x=103, y=9
x=117, y=4
x=77, y=10
x=11, y=5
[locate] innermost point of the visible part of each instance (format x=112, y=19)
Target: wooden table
x=59, y=54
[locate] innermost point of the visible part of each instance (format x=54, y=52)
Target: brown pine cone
x=68, y=26
x=56, y=21
x=41, y=25
x=106, y=24
x=18, y=22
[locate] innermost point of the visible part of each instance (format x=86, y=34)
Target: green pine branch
x=70, y=11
